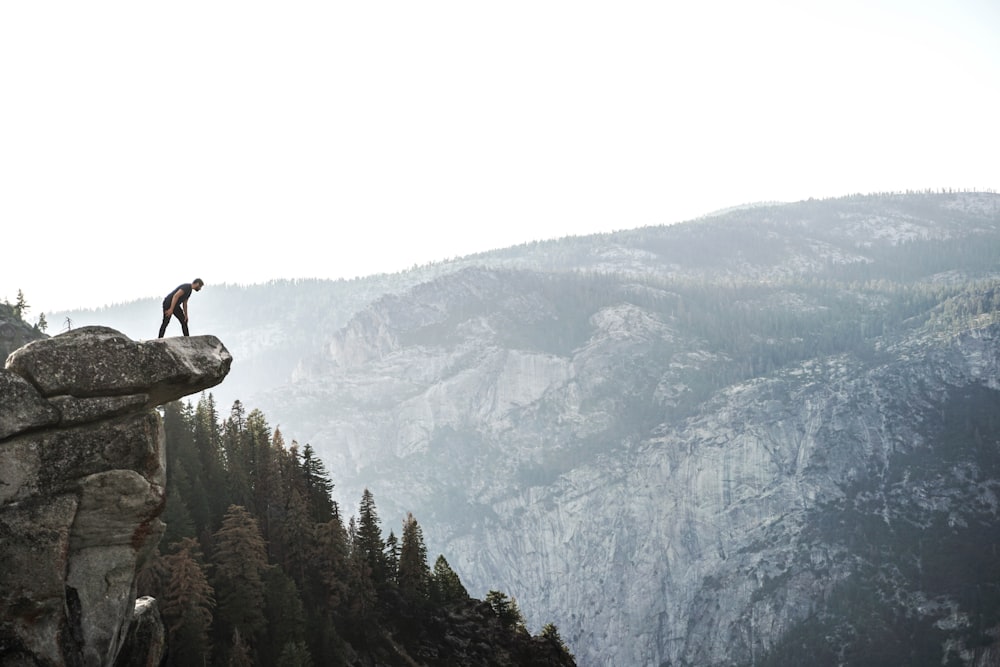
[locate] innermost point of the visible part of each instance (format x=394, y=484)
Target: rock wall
x=652, y=524
x=82, y=484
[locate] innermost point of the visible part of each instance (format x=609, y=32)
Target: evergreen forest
x=259, y=566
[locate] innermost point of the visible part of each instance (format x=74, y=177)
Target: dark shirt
x=184, y=297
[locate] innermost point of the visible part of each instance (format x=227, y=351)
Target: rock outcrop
x=146, y=641
x=82, y=484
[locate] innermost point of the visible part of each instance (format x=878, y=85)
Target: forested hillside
x=258, y=567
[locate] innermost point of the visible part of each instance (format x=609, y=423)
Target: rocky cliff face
x=764, y=437
x=81, y=484
x=698, y=540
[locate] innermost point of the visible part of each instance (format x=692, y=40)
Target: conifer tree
x=295, y=654
x=237, y=460
x=551, y=633
x=446, y=585
x=319, y=487
x=295, y=537
x=238, y=416
x=286, y=615
x=328, y=594
x=361, y=596
x=330, y=562
x=262, y=466
x=207, y=436
x=240, y=654
x=240, y=562
x=176, y=515
x=187, y=605
x=20, y=306
x=506, y=609
x=414, y=575
x=391, y=557
x=184, y=481
x=368, y=543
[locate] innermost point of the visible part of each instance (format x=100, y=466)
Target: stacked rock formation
x=82, y=484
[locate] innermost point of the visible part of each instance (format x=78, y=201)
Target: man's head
x=197, y=284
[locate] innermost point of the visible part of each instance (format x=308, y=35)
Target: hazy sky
x=144, y=144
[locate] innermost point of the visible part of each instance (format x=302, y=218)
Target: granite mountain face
x=756, y=437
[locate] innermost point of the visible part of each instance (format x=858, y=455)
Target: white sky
x=144, y=144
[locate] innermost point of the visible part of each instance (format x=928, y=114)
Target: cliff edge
x=82, y=484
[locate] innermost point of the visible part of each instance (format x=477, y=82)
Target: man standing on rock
x=176, y=304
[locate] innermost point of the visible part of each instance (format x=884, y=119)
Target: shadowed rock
x=22, y=407
x=82, y=476
x=146, y=640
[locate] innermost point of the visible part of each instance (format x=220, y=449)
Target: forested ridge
x=259, y=566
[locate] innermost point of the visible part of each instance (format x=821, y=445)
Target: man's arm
x=173, y=301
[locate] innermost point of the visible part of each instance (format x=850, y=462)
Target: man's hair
x=199, y=281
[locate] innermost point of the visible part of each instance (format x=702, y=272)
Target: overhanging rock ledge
x=82, y=474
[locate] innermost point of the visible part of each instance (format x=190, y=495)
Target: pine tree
x=187, y=605
x=295, y=537
x=286, y=615
x=446, y=585
x=506, y=609
x=176, y=515
x=262, y=466
x=207, y=436
x=327, y=592
x=361, y=596
x=330, y=562
x=392, y=557
x=240, y=654
x=319, y=487
x=240, y=562
x=237, y=459
x=368, y=543
x=186, y=496
x=295, y=654
x=551, y=633
x=20, y=306
x=414, y=575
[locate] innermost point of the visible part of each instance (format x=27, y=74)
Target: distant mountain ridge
x=667, y=439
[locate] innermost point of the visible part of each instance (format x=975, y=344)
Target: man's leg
x=184, y=323
x=163, y=325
